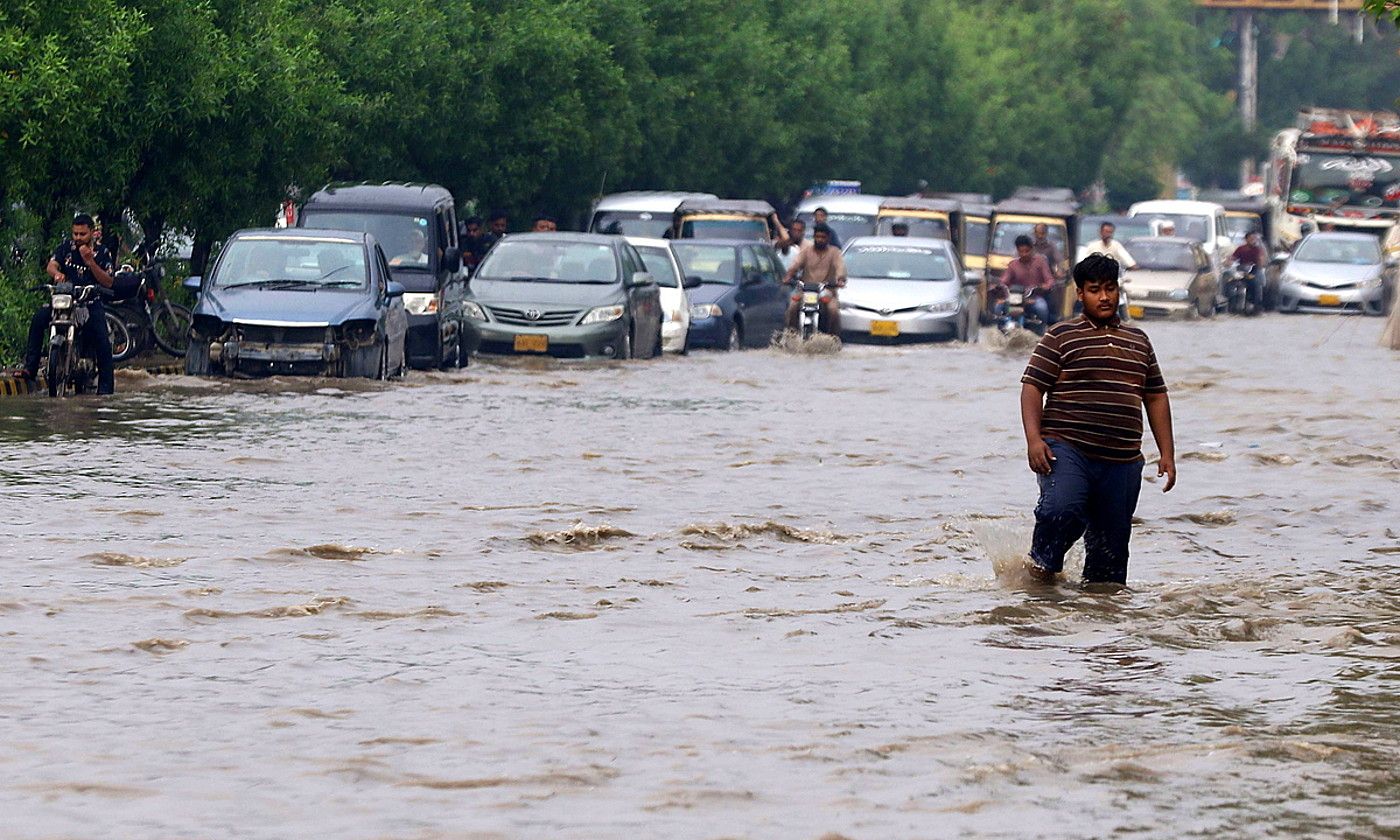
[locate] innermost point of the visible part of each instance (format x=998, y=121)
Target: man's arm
x=1124, y=256
x=55, y=271
x=1038, y=452
x=1159, y=417
x=100, y=274
x=840, y=266
x=1047, y=277
x=797, y=265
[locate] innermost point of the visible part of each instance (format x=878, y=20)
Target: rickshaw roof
x=1033, y=207
x=739, y=206
x=935, y=205
x=1064, y=195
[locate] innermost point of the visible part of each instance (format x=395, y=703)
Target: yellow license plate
x=1136, y=312
x=532, y=344
x=886, y=329
x=1329, y=300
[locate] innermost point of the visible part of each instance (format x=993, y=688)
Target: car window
x=772, y=269
x=383, y=263
x=748, y=263
x=632, y=260
x=659, y=262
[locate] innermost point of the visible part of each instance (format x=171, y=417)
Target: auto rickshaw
x=932, y=218
x=1015, y=217
x=722, y=218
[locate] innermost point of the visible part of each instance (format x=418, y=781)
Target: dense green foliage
x=200, y=116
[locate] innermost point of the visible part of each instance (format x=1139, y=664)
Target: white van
x=848, y=216
x=1202, y=221
x=645, y=213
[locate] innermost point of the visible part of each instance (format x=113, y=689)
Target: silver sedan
x=902, y=286
x=1332, y=271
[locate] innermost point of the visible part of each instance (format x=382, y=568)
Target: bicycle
x=150, y=316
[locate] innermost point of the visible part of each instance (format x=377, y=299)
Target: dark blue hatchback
x=740, y=301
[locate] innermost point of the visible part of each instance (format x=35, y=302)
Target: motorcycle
x=149, y=317
x=814, y=299
x=68, y=369
x=1015, y=311
x=1235, y=285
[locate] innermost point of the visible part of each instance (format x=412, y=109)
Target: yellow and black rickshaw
x=931, y=218
x=723, y=218
x=1018, y=216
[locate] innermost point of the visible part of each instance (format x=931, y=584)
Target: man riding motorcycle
x=1031, y=273
x=82, y=261
x=821, y=265
x=1251, y=259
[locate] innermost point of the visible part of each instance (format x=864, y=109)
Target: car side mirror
x=752, y=278
x=692, y=281
x=1223, y=242
x=394, y=289
x=1392, y=261
x=641, y=278
x=1280, y=257
x=193, y=282
x=452, y=259
x=972, y=278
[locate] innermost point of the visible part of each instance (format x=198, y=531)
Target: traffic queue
x=376, y=278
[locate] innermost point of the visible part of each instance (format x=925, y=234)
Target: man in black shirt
x=82, y=261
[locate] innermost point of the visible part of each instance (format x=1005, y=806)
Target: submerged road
x=720, y=596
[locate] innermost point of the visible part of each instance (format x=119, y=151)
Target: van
x=848, y=216
x=1202, y=221
x=644, y=213
x=416, y=224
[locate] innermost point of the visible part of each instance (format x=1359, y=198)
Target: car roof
x=648, y=241
x=647, y=201
x=1345, y=235
x=306, y=234
x=733, y=243
x=751, y=207
x=859, y=203
x=385, y=196
x=926, y=242
x=609, y=240
x=1167, y=205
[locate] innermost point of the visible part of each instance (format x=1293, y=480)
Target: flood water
x=720, y=596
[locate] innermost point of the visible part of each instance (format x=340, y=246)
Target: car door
x=750, y=298
x=394, y=314
x=644, y=301
x=776, y=296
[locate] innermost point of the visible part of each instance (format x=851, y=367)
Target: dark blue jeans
x=1084, y=497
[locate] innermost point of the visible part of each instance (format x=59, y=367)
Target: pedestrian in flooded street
x=1082, y=400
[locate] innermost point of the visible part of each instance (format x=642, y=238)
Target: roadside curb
x=17, y=386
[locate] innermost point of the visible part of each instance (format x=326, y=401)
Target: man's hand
x=86, y=252
x=1166, y=466
x=1040, y=456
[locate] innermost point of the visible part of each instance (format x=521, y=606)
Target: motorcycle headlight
x=61, y=302
x=942, y=306
x=706, y=310
x=420, y=303
x=1179, y=294
x=473, y=310
x=603, y=314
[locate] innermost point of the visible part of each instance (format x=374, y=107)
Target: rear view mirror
x=1392, y=260
x=691, y=281
x=641, y=278
x=193, y=282
x=1281, y=257
x=452, y=259
x=971, y=277
x=752, y=278
x=394, y=289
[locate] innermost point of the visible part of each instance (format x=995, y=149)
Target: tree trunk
x=199, y=253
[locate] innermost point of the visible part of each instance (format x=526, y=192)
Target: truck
x=1336, y=169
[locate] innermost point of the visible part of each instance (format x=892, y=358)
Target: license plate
x=1136, y=312
x=1329, y=300
x=886, y=329
x=1016, y=299
x=811, y=297
x=532, y=344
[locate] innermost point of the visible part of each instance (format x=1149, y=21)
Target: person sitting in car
x=416, y=253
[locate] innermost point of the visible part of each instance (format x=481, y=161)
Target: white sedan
x=902, y=287
x=675, y=303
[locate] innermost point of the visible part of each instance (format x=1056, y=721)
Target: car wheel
x=735, y=341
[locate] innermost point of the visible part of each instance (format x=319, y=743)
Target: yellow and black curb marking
x=18, y=386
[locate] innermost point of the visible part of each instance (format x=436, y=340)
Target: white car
x=902, y=286
x=675, y=303
x=1203, y=221
x=1173, y=278
x=1336, y=272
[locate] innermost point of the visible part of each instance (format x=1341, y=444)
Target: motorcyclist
x=822, y=265
x=1029, y=271
x=82, y=261
x=1251, y=259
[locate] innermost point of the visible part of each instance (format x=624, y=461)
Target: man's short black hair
x=1096, y=268
x=473, y=220
x=1024, y=240
x=797, y=222
x=499, y=214
x=82, y=219
x=545, y=217
x=819, y=210
x=821, y=227
x=1108, y=225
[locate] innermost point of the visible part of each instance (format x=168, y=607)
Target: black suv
x=416, y=224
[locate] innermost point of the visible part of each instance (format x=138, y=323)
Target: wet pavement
x=720, y=596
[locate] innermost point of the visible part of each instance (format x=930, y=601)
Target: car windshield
x=306, y=263
x=1157, y=255
x=549, y=262
x=711, y=263
x=628, y=223
x=1123, y=230
x=1191, y=227
x=976, y=238
x=1345, y=251
x=755, y=229
x=886, y=262
x=660, y=265
x=920, y=227
x=847, y=225
x=406, y=240
x=1004, y=237
x=1238, y=227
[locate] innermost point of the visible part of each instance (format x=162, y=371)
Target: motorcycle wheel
x=119, y=334
x=170, y=324
x=53, y=372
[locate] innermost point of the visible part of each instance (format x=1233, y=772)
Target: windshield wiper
x=280, y=283
x=343, y=284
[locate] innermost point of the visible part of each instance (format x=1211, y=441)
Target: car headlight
x=420, y=303
x=1371, y=282
x=942, y=306
x=706, y=310
x=603, y=314
x=473, y=310
x=1179, y=294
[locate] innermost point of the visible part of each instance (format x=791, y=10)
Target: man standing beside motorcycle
x=82, y=261
x=1251, y=259
x=820, y=265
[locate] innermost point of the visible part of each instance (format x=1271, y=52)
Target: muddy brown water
x=721, y=596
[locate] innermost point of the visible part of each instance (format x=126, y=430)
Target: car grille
x=872, y=310
x=1342, y=288
x=547, y=317
x=1157, y=294
x=282, y=335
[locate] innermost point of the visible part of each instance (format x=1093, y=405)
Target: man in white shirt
x=1110, y=247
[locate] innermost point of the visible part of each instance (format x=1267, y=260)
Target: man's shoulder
x=1136, y=333
x=1063, y=328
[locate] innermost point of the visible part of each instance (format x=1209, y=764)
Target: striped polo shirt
x=1095, y=378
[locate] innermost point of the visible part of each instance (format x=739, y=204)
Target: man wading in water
x=1082, y=398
